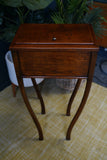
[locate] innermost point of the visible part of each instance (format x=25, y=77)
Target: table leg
x=84, y=99
x=21, y=85
x=73, y=96
x=39, y=95
x=14, y=89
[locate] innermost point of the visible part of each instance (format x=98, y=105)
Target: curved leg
x=39, y=95
x=73, y=96
x=85, y=96
x=21, y=85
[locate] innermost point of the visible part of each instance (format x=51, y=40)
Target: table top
x=54, y=36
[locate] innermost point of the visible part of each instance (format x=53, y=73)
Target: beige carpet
x=19, y=137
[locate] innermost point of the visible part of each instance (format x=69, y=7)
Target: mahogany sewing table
x=54, y=51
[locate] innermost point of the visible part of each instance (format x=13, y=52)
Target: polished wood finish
x=73, y=96
x=14, y=89
x=85, y=96
x=54, y=51
x=44, y=33
x=54, y=63
x=39, y=95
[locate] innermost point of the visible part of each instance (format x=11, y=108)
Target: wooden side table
x=54, y=51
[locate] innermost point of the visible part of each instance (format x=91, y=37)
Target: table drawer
x=58, y=64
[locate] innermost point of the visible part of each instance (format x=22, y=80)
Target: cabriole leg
x=84, y=99
x=39, y=95
x=73, y=96
x=21, y=85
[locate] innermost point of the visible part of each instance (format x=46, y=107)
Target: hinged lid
x=54, y=34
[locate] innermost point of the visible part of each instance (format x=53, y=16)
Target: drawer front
x=58, y=64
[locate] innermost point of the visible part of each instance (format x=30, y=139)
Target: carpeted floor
x=19, y=137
